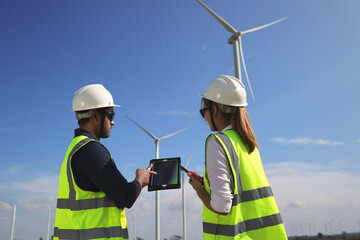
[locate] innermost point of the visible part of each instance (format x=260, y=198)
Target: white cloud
x=32, y=192
x=204, y=49
x=14, y=169
x=315, y=193
x=37, y=203
x=38, y=185
x=296, y=205
x=204, y=46
x=5, y=206
x=305, y=141
x=13, y=129
x=253, y=54
x=338, y=162
x=9, y=129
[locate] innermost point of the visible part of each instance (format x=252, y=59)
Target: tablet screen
x=168, y=174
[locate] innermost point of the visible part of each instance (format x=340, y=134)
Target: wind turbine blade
x=174, y=133
x=263, y=26
x=189, y=159
x=150, y=134
x=219, y=19
x=243, y=62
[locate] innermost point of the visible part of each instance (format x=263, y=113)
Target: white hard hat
x=226, y=90
x=91, y=97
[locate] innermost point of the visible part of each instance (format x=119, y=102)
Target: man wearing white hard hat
x=92, y=192
x=238, y=201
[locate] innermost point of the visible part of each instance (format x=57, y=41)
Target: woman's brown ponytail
x=241, y=125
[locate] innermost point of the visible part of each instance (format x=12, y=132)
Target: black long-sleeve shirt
x=95, y=171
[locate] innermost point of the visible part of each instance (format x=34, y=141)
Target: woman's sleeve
x=218, y=176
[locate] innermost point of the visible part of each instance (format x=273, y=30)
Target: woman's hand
x=194, y=182
x=203, y=195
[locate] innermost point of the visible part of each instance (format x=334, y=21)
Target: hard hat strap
x=212, y=117
x=102, y=125
x=102, y=114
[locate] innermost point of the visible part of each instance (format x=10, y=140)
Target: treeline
x=344, y=235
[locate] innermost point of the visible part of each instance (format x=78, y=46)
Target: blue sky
x=156, y=57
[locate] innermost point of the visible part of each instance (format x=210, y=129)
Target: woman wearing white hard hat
x=238, y=201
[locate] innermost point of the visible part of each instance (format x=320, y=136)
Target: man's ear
x=215, y=110
x=94, y=116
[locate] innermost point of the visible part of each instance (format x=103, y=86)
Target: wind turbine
x=331, y=227
x=235, y=40
x=309, y=225
x=326, y=228
x=339, y=224
x=48, y=223
x=13, y=218
x=157, y=141
x=134, y=217
x=183, y=199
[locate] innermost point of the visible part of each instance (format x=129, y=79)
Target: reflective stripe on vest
x=242, y=223
x=252, y=195
x=84, y=204
x=93, y=233
x=241, y=227
x=72, y=221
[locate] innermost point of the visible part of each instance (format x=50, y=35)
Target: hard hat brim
x=85, y=109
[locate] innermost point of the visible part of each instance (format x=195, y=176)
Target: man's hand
x=143, y=175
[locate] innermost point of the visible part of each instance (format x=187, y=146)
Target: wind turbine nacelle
x=234, y=37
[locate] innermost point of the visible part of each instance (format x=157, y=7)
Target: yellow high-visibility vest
x=254, y=214
x=83, y=214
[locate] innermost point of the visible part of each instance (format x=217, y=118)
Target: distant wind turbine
x=13, y=218
x=309, y=225
x=339, y=224
x=48, y=222
x=183, y=199
x=157, y=141
x=235, y=40
x=326, y=228
x=331, y=226
x=134, y=223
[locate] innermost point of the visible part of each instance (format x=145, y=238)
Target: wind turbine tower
x=183, y=200
x=133, y=222
x=157, y=196
x=13, y=218
x=235, y=40
x=48, y=223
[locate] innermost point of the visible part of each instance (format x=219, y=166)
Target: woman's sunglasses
x=203, y=111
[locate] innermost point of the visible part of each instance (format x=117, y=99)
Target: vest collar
x=227, y=128
x=80, y=131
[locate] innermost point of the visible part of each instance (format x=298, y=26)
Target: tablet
x=168, y=174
